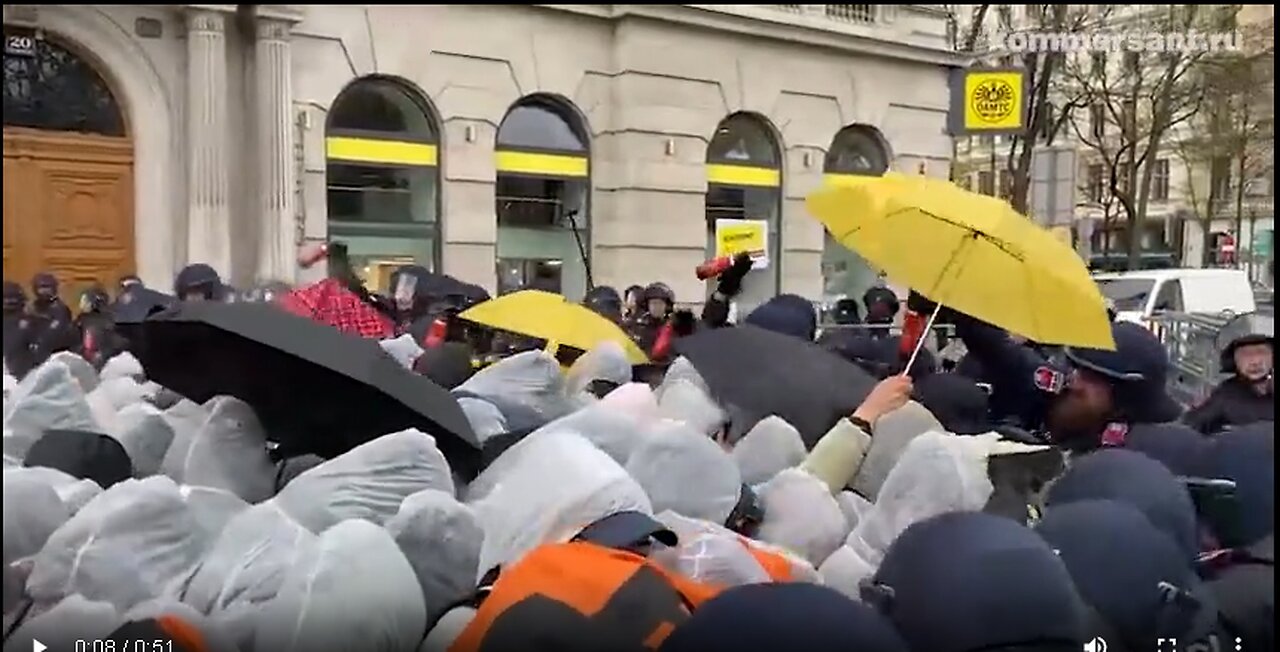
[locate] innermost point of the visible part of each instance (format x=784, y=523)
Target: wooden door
x=68, y=207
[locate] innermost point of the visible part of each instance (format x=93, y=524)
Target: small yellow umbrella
x=551, y=317
x=972, y=252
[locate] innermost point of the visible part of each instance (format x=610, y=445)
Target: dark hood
x=967, y=581
x=787, y=314
x=1248, y=457
x=1131, y=573
x=82, y=454
x=1133, y=478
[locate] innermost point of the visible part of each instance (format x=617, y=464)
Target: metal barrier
x=944, y=336
x=1192, y=343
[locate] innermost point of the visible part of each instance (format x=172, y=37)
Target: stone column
x=276, y=174
x=208, y=209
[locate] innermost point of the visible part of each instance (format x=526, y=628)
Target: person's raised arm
x=836, y=457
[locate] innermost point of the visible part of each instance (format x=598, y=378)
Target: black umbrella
x=762, y=373
x=315, y=389
x=136, y=303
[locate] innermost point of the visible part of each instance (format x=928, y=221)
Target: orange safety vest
x=777, y=566
x=562, y=595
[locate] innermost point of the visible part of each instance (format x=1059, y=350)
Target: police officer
x=19, y=334
x=51, y=323
x=1248, y=396
x=199, y=282
x=606, y=302
x=1081, y=400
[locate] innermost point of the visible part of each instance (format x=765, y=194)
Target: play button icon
x=37, y=646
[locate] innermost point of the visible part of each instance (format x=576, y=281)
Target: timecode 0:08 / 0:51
x=139, y=645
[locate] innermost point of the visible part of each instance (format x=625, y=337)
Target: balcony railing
x=855, y=14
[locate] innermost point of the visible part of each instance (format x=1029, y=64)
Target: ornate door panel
x=74, y=206
x=68, y=168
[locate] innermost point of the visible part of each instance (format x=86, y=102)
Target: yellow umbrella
x=972, y=252
x=551, y=317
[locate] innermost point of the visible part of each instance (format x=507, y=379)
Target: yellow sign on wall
x=988, y=100
x=738, y=236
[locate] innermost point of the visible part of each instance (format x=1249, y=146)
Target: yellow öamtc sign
x=988, y=100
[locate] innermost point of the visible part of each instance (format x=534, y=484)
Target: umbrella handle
x=928, y=328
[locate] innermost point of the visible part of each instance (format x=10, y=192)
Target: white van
x=1139, y=295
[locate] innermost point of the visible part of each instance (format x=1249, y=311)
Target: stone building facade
x=499, y=144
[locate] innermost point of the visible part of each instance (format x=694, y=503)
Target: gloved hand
x=731, y=280
x=920, y=304
x=683, y=323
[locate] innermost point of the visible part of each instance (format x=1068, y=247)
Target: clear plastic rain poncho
x=547, y=488
x=212, y=508
x=801, y=515
x=636, y=400
x=613, y=431
x=74, y=492
x=135, y=542
x=528, y=388
x=768, y=448
x=687, y=473
x=403, y=349
x=352, y=591
x=84, y=373
x=441, y=538
x=145, y=435
x=112, y=395
x=185, y=418
x=682, y=369
x=485, y=418
x=684, y=401
x=66, y=626
x=607, y=362
x=893, y=433
x=48, y=398
x=228, y=451
x=122, y=365
x=214, y=639
x=247, y=562
x=937, y=473
x=369, y=481
x=708, y=552
x=10, y=384
x=855, y=507
x=32, y=512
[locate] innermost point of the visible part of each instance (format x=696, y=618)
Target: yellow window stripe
x=844, y=179
x=372, y=150
x=551, y=165
x=743, y=175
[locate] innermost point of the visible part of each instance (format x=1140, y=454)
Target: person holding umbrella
x=1000, y=272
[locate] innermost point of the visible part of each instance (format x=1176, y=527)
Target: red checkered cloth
x=329, y=302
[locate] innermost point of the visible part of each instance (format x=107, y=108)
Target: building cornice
x=878, y=39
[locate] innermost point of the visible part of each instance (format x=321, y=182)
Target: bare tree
x=1230, y=142
x=1043, y=70
x=1047, y=104
x=1134, y=106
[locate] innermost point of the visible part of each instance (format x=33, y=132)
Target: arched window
x=744, y=199
x=857, y=152
x=383, y=178
x=543, y=187
x=46, y=86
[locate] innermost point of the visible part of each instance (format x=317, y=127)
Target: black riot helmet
x=1244, y=330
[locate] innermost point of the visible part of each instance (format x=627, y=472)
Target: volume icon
x=1096, y=645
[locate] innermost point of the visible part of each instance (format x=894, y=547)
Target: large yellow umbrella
x=972, y=252
x=551, y=317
